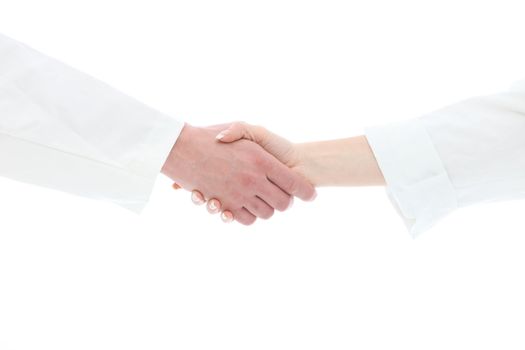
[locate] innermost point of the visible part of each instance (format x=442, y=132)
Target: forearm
x=68, y=131
x=344, y=162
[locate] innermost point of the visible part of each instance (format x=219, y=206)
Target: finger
x=260, y=208
x=227, y=216
x=272, y=143
x=197, y=198
x=292, y=183
x=214, y=206
x=240, y=130
x=176, y=186
x=275, y=197
x=234, y=132
x=244, y=217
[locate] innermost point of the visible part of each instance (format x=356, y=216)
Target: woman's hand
x=285, y=151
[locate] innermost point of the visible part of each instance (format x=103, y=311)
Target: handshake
x=245, y=172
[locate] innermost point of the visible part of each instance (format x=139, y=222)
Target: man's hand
x=249, y=181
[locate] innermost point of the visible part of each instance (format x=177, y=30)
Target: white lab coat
x=470, y=152
x=63, y=129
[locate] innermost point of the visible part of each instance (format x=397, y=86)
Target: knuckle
x=239, y=124
x=260, y=130
x=257, y=133
x=260, y=162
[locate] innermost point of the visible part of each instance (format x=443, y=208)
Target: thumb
x=279, y=147
x=238, y=131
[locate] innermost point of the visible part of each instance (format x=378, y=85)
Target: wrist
x=310, y=163
x=345, y=162
x=178, y=156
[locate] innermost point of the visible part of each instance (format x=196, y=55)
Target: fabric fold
x=417, y=182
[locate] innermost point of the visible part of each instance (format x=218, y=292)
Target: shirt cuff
x=417, y=182
x=128, y=186
x=149, y=158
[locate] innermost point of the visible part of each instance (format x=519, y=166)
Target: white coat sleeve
x=63, y=129
x=467, y=153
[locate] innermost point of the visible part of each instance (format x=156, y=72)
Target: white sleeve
x=470, y=152
x=62, y=129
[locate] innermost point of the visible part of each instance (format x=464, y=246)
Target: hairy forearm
x=345, y=162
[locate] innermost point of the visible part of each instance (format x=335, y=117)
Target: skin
x=249, y=181
x=344, y=162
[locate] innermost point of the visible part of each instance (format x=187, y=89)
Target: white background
x=339, y=273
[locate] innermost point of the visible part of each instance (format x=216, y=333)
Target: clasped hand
x=242, y=171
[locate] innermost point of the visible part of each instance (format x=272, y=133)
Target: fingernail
x=314, y=196
x=196, y=198
x=226, y=217
x=222, y=134
x=213, y=206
